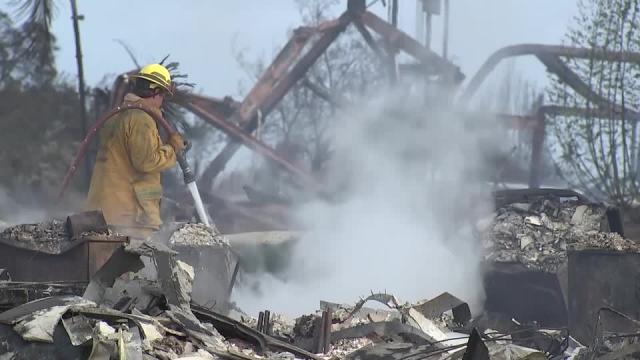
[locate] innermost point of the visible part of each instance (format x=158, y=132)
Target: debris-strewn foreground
x=166, y=325
x=130, y=312
x=143, y=301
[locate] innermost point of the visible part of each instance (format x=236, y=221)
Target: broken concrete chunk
x=40, y=325
x=176, y=281
x=578, y=214
x=130, y=344
x=78, y=328
x=120, y=262
x=150, y=332
x=526, y=241
x=186, y=269
x=427, y=326
x=104, y=329
x=533, y=220
x=105, y=344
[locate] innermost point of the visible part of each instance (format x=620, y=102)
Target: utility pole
x=81, y=88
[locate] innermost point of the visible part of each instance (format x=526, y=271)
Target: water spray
x=190, y=181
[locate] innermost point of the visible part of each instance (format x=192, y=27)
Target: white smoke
x=404, y=223
x=18, y=208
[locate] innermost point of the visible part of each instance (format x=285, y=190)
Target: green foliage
x=17, y=68
x=39, y=117
x=599, y=152
x=35, y=30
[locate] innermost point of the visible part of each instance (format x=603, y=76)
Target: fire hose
x=187, y=172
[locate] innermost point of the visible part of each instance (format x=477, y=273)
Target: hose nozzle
x=181, y=157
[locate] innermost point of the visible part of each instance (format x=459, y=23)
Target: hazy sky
x=202, y=34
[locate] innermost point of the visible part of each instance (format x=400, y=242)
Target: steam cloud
x=405, y=223
x=19, y=208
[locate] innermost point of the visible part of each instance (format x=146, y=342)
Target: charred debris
x=559, y=276
x=551, y=276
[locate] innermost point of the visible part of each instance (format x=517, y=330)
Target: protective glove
x=177, y=142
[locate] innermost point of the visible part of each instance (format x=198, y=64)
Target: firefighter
x=125, y=183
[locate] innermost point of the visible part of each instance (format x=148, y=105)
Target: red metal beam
x=274, y=73
x=261, y=103
x=221, y=108
x=541, y=50
x=238, y=134
x=569, y=77
x=406, y=43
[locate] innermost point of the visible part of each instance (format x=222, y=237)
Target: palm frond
x=173, y=106
x=36, y=17
x=130, y=52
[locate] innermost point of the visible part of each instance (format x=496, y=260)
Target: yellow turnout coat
x=125, y=183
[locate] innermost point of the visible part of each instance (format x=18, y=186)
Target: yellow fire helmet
x=158, y=75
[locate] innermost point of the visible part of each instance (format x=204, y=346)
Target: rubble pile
x=281, y=326
x=197, y=234
x=153, y=321
x=129, y=317
x=48, y=237
x=343, y=347
x=538, y=234
x=606, y=241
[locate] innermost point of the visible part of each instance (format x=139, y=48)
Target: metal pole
x=537, y=147
x=419, y=21
x=393, y=67
x=320, y=333
x=445, y=41
x=394, y=13
x=81, y=88
x=327, y=317
x=266, y=323
x=427, y=37
x=260, y=321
